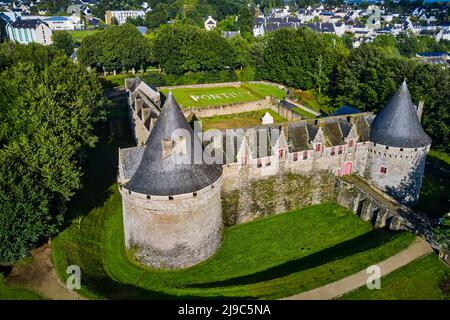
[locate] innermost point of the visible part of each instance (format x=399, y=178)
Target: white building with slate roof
x=28, y=31
x=210, y=23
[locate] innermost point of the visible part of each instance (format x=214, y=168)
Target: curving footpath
x=335, y=289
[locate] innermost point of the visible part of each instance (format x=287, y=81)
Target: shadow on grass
x=434, y=198
x=113, y=290
x=101, y=166
x=367, y=241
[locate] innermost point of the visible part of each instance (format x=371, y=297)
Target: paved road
x=335, y=289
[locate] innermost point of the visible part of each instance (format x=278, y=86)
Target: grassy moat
x=268, y=258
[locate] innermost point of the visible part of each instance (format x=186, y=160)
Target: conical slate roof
x=158, y=176
x=397, y=125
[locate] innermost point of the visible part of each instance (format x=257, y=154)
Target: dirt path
x=335, y=289
x=40, y=276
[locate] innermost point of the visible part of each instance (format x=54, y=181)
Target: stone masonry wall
x=229, y=108
x=173, y=233
x=245, y=198
x=404, y=171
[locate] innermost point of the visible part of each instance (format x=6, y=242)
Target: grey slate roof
x=27, y=24
x=345, y=109
x=130, y=158
x=397, y=125
x=298, y=137
x=158, y=176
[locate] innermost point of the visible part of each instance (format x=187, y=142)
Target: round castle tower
x=398, y=149
x=171, y=205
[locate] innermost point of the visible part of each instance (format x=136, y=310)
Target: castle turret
x=171, y=205
x=398, y=149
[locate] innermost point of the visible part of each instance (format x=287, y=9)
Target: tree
x=138, y=21
x=182, y=48
x=63, y=41
x=442, y=232
x=408, y=45
x=241, y=51
x=246, y=20
x=49, y=107
x=115, y=48
x=371, y=75
x=300, y=58
x=158, y=16
x=228, y=24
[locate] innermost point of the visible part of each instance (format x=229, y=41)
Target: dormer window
x=259, y=164
x=333, y=151
x=179, y=146
x=176, y=147
x=318, y=147
x=350, y=143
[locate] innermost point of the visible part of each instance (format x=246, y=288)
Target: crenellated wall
x=173, y=232
x=396, y=171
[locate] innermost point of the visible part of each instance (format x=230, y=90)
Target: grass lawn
x=418, y=280
x=268, y=258
x=303, y=113
x=79, y=35
x=239, y=120
x=282, y=255
x=265, y=90
x=13, y=293
x=207, y=97
x=442, y=156
x=308, y=99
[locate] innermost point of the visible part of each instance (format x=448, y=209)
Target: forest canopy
x=48, y=109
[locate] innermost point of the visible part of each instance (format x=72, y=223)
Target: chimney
x=420, y=110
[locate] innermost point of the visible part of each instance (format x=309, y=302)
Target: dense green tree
x=182, y=48
x=47, y=112
x=246, y=20
x=300, y=58
x=158, y=16
x=442, y=232
x=115, y=48
x=241, y=51
x=224, y=8
x=63, y=41
x=408, y=44
x=371, y=74
x=228, y=24
x=138, y=21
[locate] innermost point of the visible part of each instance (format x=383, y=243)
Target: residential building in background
x=210, y=23
x=64, y=23
x=122, y=16
x=28, y=31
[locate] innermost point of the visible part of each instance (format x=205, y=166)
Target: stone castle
x=174, y=211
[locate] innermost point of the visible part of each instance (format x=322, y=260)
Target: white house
x=64, y=23
x=122, y=16
x=267, y=119
x=28, y=31
x=279, y=12
x=210, y=23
